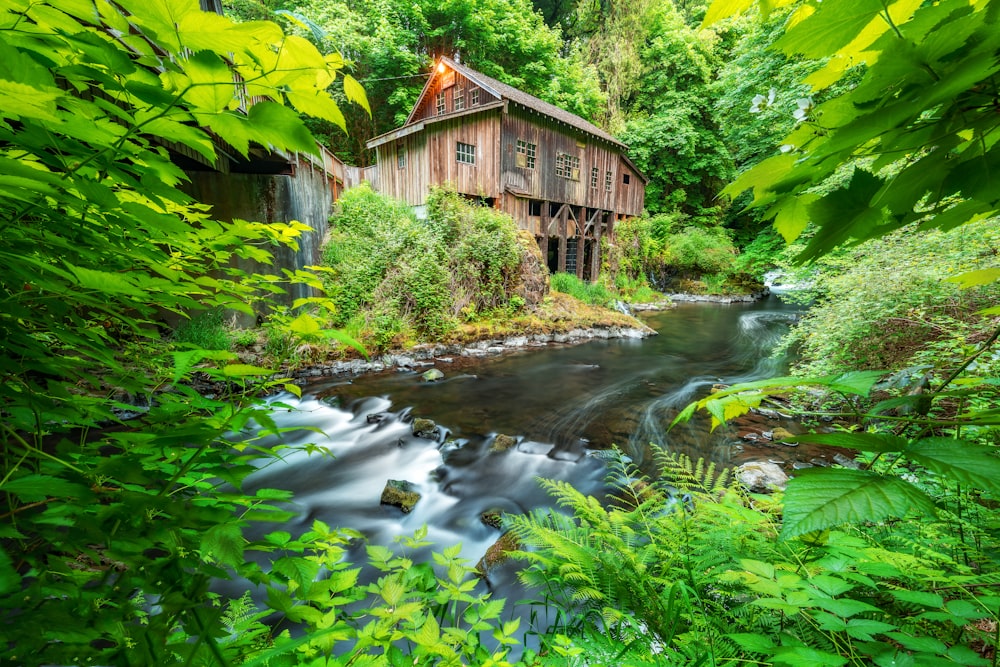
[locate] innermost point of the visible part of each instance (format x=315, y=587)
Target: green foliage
x=684, y=569
x=670, y=127
x=403, y=276
x=921, y=115
x=391, y=47
x=117, y=478
x=699, y=250
x=204, y=331
x=881, y=304
x=593, y=293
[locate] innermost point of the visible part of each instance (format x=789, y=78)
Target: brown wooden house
x=559, y=176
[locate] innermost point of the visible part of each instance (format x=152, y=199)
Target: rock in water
x=425, y=428
x=502, y=443
x=399, y=493
x=432, y=375
x=762, y=476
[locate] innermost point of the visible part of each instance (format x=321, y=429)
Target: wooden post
x=562, y=239
x=595, y=256
x=581, y=243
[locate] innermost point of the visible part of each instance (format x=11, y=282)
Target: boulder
x=425, y=428
x=502, y=443
x=497, y=554
x=781, y=434
x=492, y=518
x=762, y=476
x=400, y=493
x=432, y=375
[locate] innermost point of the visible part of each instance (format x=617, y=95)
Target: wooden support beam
x=595, y=255
x=562, y=240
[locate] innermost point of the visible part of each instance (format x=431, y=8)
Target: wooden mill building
x=559, y=176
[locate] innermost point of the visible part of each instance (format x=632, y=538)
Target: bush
x=403, y=275
x=699, y=250
x=884, y=302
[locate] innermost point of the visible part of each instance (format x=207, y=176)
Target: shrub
x=699, y=250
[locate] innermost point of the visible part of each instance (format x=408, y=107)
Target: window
x=534, y=207
x=465, y=153
x=474, y=97
x=594, y=175
x=607, y=181
x=525, y=154
x=400, y=156
x=459, y=98
x=626, y=178
x=568, y=166
x=439, y=100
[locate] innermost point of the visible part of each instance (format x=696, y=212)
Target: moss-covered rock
x=400, y=493
x=498, y=552
x=424, y=428
x=502, y=443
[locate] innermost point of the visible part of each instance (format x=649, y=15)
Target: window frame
x=458, y=98
x=400, y=156
x=440, y=104
x=465, y=153
x=566, y=164
x=528, y=150
x=608, y=180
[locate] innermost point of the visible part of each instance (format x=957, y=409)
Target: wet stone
x=400, y=493
x=432, y=375
x=762, y=476
x=425, y=428
x=502, y=443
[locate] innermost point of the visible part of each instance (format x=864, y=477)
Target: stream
x=563, y=404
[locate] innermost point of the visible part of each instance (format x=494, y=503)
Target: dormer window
x=439, y=103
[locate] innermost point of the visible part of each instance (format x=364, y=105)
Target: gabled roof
x=521, y=98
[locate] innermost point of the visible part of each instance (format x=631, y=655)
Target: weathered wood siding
x=432, y=158
x=631, y=196
x=451, y=86
x=409, y=182
x=550, y=139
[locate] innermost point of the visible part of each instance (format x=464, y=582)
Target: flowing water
x=562, y=404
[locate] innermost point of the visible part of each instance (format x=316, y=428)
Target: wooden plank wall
x=428, y=106
x=431, y=159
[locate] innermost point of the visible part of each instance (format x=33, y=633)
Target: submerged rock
x=762, y=476
x=400, y=493
x=492, y=518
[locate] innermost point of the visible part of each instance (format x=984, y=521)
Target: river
x=563, y=404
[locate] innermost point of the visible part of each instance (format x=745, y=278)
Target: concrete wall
x=307, y=197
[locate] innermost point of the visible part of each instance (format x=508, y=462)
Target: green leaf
x=224, y=543
x=819, y=498
x=803, y=656
x=34, y=488
x=244, y=370
x=9, y=579
x=920, y=644
x=830, y=28
x=964, y=462
x=976, y=278
x=792, y=215
x=304, y=325
x=864, y=628
x=300, y=570
x=865, y=442
x=919, y=597
x=844, y=607
x=429, y=633
x=756, y=643
x=355, y=92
